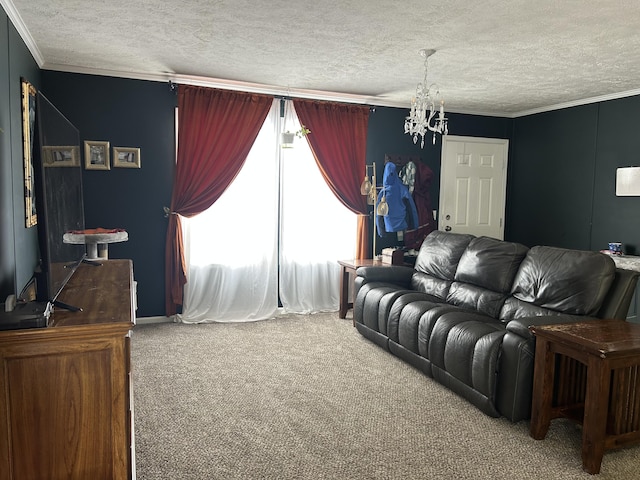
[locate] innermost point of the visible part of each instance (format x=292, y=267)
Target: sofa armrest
x=396, y=274
x=616, y=303
x=520, y=326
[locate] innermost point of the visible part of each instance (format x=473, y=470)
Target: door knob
x=447, y=228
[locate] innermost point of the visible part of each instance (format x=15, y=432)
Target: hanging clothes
x=408, y=176
x=419, y=176
x=402, y=209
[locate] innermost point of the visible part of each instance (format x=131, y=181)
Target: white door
x=473, y=184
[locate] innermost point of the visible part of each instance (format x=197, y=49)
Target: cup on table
x=615, y=248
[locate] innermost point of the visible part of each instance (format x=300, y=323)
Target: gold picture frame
x=28, y=93
x=126, y=157
x=61, y=155
x=96, y=155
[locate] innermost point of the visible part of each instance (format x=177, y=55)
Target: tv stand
x=65, y=390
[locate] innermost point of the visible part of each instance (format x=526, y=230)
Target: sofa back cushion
x=490, y=263
x=485, y=274
x=437, y=262
x=567, y=281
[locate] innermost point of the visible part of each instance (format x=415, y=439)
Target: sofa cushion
x=485, y=274
x=464, y=352
x=490, y=263
x=367, y=304
x=360, y=303
x=567, y=281
x=514, y=308
x=425, y=283
x=428, y=322
x=440, y=253
x=437, y=262
x=402, y=303
x=480, y=299
x=386, y=304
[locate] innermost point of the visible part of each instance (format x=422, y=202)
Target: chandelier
x=423, y=108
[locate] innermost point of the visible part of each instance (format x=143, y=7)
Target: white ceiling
x=495, y=57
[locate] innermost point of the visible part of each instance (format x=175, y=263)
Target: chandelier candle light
x=423, y=108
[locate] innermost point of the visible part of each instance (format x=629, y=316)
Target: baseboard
x=150, y=320
x=172, y=318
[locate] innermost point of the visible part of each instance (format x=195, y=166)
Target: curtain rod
x=173, y=86
x=278, y=92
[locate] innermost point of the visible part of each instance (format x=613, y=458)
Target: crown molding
x=313, y=94
x=249, y=87
x=19, y=25
x=101, y=72
x=577, y=103
x=227, y=85
x=273, y=89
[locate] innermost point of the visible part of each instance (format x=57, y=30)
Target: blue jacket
x=402, y=209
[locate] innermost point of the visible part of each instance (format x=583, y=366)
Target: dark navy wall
x=562, y=177
x=7, y=256
x=126, y=113
x=551, y=178
x=616, y=219
x=18, y=244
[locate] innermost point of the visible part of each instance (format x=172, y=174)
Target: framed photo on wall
x=28, y=92
x=126, y=157
x=61, y=156
x=96, y=155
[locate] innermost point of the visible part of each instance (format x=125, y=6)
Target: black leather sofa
x=461, y=315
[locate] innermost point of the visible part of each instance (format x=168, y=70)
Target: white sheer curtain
x=316, y=232
x=278, y=219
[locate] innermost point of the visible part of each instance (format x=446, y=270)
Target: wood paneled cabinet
x=65, y=390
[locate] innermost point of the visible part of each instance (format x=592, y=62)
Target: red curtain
x=216, y=130
x=338, y=140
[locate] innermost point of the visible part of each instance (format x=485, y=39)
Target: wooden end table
x=588, y=372
x=349, y=267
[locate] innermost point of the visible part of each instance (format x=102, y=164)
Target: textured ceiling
x=497, y=57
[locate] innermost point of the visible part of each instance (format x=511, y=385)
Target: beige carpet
x=307, y=397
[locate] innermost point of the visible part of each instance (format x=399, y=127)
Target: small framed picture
x=126, y=157
x=96, y=155
x=61, y=156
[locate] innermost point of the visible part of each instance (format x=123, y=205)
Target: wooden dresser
x=65, y=390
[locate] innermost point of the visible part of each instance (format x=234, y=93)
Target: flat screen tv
x=59, y=201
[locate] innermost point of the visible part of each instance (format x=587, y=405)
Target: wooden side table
x=589, y=372
x=349, y=267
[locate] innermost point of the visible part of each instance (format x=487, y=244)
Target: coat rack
x=370, y=188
